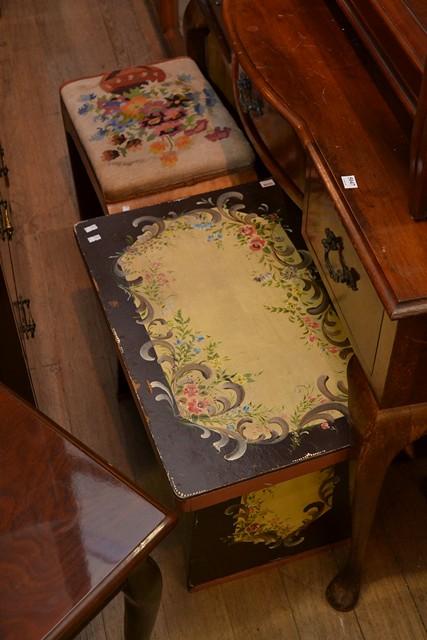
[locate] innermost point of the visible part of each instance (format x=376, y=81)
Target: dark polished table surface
x=71, y=529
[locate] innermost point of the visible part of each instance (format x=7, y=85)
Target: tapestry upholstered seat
x=150, y=129
x=238, y=362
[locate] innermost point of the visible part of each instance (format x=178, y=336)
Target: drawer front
x=273, y=137
x=348, y=284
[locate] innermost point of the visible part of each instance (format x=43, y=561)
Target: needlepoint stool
x=148, y=130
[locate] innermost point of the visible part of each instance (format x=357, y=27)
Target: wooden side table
x=73, y=532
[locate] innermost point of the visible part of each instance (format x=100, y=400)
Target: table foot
x=142, y=592
x=343, y=591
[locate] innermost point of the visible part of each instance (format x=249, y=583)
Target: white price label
x=349, y=182
x=267, y=183
x=93, y=227
x=94, y=238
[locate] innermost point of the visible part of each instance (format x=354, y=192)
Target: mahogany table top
x=71, y=528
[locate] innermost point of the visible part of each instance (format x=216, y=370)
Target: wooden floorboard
x=42, y=44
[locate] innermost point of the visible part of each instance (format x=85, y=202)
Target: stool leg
x=196, y=32
x=87, y=200
x=122, y=384
x=168, y=12
x=142, y=592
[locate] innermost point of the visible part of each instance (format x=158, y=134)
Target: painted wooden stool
x=237, y=362
x=147, y=134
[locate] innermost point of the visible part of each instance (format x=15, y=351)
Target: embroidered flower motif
x=158, y=147
x=169, y=159
x=145, y=104
x=200, y=126
x=167, y=129
x=134, y=145
x=210, y=97
x=110, y=154
x=218, y=134
x=100, y=134
x=134, y=107
x=88, y=96
x=183, y=142
x=174, y=114
x=117, y=139
x=85, y=108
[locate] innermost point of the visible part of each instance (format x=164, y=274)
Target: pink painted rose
x=161, y=278
x=196, y=406
x=325, y=425
x=190, y=389
x=247, y=230
x=256, y=243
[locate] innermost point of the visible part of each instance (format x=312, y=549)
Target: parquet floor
x=42, y=44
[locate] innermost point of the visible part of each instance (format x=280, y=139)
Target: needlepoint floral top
x=150, y=127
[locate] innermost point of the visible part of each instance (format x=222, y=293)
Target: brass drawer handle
x=342, y=274
x=28, y=326
x=248, y=102
x=4, y=170
x=6, y=227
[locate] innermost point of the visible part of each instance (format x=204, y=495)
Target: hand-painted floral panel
x=271, y=525
x=247, y=339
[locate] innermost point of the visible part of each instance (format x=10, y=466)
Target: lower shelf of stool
x=216, y=553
